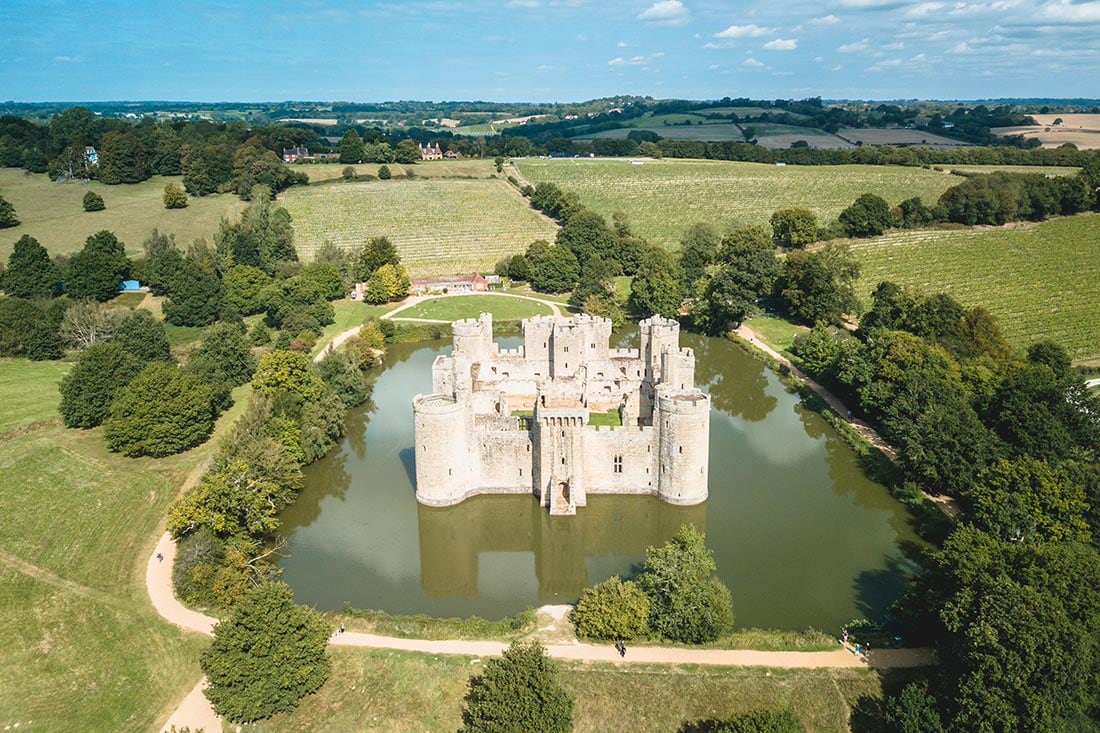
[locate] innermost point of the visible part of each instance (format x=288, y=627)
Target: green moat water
x=801, y=536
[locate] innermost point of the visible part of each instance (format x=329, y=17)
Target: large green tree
x=820, y=285
x=195, y=296
x=7, y=214
x=698, y=250
x=655, y=288
x=377, y=251
x=555, y=271
x=794, y=227
x=243, y=286
x=97, y=270
x=30, y=272
x=162, y=411
x=587, y=235
x=688, y=603
x=88, y=390
x=140, y=333
x=351, y=148
x=747, y=271
x=518, y=692
x=868, y=216
x=612, y=609
x=267, y=656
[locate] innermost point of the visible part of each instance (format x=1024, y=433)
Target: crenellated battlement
x=468, y=437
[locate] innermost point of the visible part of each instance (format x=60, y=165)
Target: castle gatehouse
x=563, y=416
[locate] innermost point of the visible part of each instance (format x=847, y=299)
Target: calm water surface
x=800, y=535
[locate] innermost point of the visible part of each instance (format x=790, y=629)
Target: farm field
x=775, y=136
x=745, y=112
x=385, y=690
x=664, y=197
x=83, y=648
x=465, y=168
x=453, y=308
x=706, y=132
x=1083, y=130
x=898, y=136
x=53, y=212
x=1041, y=281
x=439, y=226
x=1046, y=170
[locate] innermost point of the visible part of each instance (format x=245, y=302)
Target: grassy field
x=664, y=197
x=53, y=212
x=439, y=226
x=1046, y=170
x=465, y=168
x=778, y=333
x=470, y=306
x=82, y=647
x=899, y=136
x=710, y=132
x=1041, y=281
x=384, y=690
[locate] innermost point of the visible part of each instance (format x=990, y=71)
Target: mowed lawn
x=461, y=168
x=1041, y=281
x=662, y=198
x=82, y=648
x=439, y=225
x=53, y=213
x=453, y=308
x=386, y=690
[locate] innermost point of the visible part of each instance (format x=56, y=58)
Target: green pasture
x=83, y=648
x=705, y=131
x=663, y=198
x=453, y=308
x=439, y=225
x=389, y=690
x=776, y=332
x=53, y=213
x=1046, y=170
x=1041, y=281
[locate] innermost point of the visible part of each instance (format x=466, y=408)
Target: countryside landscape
x=255, y=349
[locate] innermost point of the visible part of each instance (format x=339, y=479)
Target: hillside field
x=83, y=648
x=53, y=212
x=1041, y=281
x=463, y=168
x=439, y=225
x=663, y=198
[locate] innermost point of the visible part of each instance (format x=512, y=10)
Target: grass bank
x=83, y=648
x=453, y=308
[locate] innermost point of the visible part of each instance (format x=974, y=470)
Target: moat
x=801, y=536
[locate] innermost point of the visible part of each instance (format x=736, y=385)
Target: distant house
x=450, y=154
x=91, y=155
x=431, y=152
x=472, y=283
x=292, y=154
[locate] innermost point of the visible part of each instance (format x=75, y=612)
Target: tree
x=1028, y=500
x=698, y=249
x=518, y=692
x=88, y=390
x=97, y=270
x=266, y=657
x=913, y=711
x=377, y=251
x=30, y=328
x=596, y=280
x=174, y=197
x=30, y=272
x=913, y=213
x=688, y=603
x=243, y=286
x=351, y=148
x=327, y=277
x=868, y=216
x=761, y=721
x=349, y=174
x=162, y=411
x=195, y=296
x=388, y=282
x=795, y=227
x=820, y=285
x=384, y=173
x=655, y=288
x=93, y=202
x=7, y=214
x=555, y=271
x=407, y=152
x=287, y=371
x=86, y=323
x=587, y=235
x=141, y=334
x=747, y=271
x=612, y=610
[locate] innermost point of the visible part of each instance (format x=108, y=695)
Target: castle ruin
x=517, y=421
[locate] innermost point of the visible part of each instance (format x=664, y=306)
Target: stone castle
x=517, y=421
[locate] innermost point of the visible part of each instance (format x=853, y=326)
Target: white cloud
x=919, y=58
x=621, y=44
x=825, y=20
x=923, y=10
x=714, y=67
x=620, y=61
x=892, y=46
x=752, y=63
x=865, y=4
x=744, y=31
x=963, y=47
x=855, y=46
x=781, y=44
x=68, y=59
x=1064, y=11
x=524, y=3
x=665, y=12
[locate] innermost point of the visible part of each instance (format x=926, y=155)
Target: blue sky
x=546, y=50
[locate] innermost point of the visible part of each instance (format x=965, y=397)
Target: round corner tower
x=682, y=418
x=443, y=466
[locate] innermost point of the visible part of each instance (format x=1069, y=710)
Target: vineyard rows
x=664, y=197
x=439, y=226
x=1041, y=281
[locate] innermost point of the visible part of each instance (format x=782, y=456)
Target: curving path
x=413, y=300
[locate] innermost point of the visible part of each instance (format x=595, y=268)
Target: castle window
x=566, y=349
x=563, y=460
x=448, y=472
x=681, y=450
x=593, y=346
x=618, y=464
x=528, y=447
x=521, y=472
